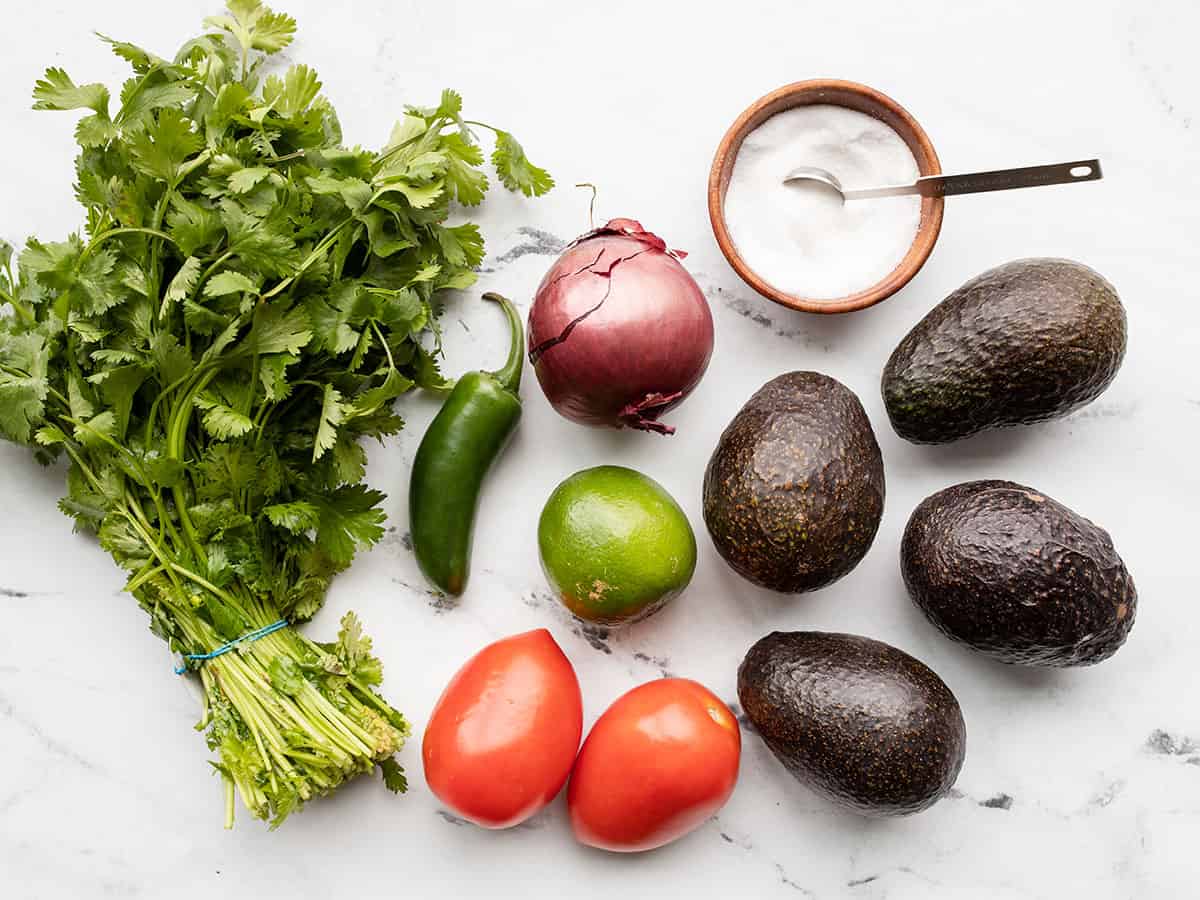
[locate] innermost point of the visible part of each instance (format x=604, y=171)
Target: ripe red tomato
x=659, y=762
x=503, y=735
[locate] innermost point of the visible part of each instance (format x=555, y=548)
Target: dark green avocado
x=1004, y=569
x=857, y=720
x=1027, y=341
x=794, y=491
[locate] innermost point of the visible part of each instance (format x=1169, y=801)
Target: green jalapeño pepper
x=464, y=439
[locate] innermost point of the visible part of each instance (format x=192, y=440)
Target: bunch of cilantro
x=242, y=307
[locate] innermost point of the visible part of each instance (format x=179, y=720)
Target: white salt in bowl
x=851, y=95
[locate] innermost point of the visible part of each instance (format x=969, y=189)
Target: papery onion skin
x=619, y=332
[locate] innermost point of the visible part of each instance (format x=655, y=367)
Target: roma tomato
x=503, y=735
x=659, y=762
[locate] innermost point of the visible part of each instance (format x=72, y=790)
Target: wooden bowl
x=839, y=93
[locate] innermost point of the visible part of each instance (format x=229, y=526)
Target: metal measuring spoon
x=946, y=185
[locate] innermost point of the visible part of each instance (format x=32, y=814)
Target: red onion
x=619, y=332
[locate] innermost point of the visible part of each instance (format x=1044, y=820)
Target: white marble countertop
x=1078, y=783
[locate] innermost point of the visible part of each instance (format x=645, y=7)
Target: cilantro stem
x=21, y=311
x=386, y=348
x=229, y=798
x=153, y=546
x=434, y=126
x=137, y=89
x=203, y=582
x=160, y=209
x=116, y=232
x=317, y=252
x=148, y=571
x=164, y=519
x=220, y=260
x=176, y=436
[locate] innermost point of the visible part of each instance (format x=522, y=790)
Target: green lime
x=615, y=545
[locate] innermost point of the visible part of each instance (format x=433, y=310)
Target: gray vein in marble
x=1000, y=801
x=539, y=243
x=13, y=799
x=856, y=882
x=1163, y=743
x=903, y=870
x=1107, y=794
x=662, y=663
x=10, y=713
x=1105, y=410
x=393, y=538
x=12, y=592
x=1151, y=67
x=596, y=635
x=438, y=601
x=531, y=824
x=734, y=836
x=753, y=311
x=750, y=310
x=784, y=879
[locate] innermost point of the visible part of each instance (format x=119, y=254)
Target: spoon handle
x=980, y=182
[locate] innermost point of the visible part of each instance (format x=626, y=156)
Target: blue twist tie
x=226, y=647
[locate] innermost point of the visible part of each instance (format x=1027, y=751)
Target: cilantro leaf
x=140, y=99
x=451, y=105
x=161, y=149
x=354, y=651
x=183, y=283
x=515, y=170
x=371, y=400
x=223, y=422
x=118, y=387
x=192, y=226
x=229, y=282
x=278, y=331
x=393, y=775
x=419, y=196
x=272, y=373
x=462, y=244
x=332, y=414
x=297, y=517
x=350, y=517
x=23, y=384
x=285, y=675
x=291, y=95
x=254, y=26
x=462, y=172
x=243, y=180
x=201, y=319
x=56, y=90
x=141, y=60
x=95, y=131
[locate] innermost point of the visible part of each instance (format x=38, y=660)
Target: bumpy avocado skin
x=794, y=491
x=856, y=720
x=1027, y=341
x=1016, y=575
